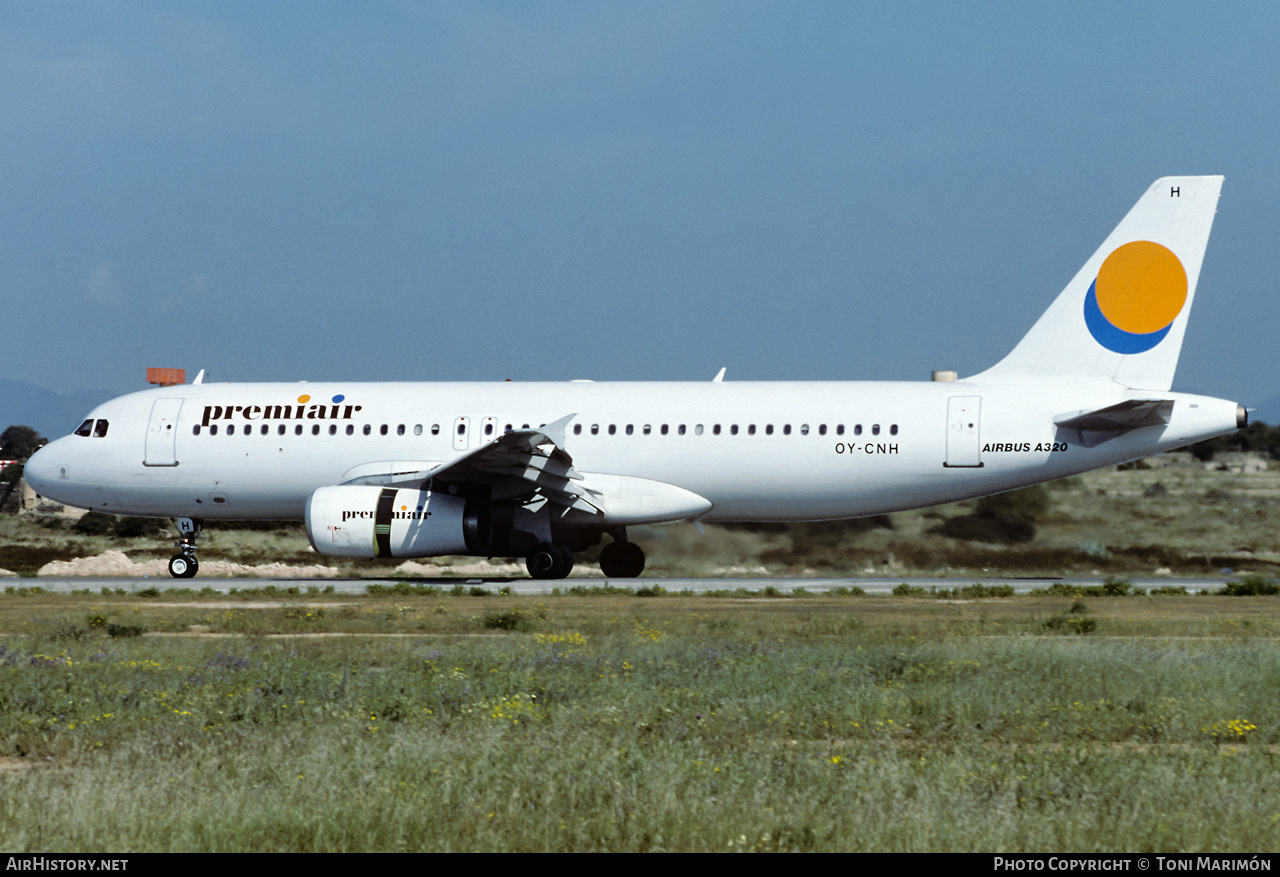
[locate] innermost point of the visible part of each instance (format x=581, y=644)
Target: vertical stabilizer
x=1122, y=317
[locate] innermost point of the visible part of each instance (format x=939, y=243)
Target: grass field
x=439, y=722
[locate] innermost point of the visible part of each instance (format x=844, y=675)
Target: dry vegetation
x=426, y=721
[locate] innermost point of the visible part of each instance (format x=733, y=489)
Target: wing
x=520, y=464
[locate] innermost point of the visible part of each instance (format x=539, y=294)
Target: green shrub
x=511, y=619
x=980, y=591
x=843, y=591
x=96, y=524
x=1077, y=624
x=1252, y=586
x=1005, y=517
x=134, y=528
x=1114, y=587
x=401, y=589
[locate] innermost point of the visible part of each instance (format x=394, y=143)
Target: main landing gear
x=184, y=565
x=621, y=560
x=618, y=560
x=549, y=560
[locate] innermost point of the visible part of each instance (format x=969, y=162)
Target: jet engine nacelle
x=357, y=521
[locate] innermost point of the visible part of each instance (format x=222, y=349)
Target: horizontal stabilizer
x=1134, y=414
x=1092, y=428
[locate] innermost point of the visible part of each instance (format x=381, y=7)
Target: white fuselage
x=754, y=451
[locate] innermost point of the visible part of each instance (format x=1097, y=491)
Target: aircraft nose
x=41, y=471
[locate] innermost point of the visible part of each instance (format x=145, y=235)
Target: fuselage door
x=162, y=433
x=461, y=433
x=964, y=448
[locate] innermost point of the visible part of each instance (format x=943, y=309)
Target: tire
x=548, y=560
x=566, y=559
x=183, y=566
x=622, y=560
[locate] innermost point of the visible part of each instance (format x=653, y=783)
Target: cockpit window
x=100, y=429
x=85, y=428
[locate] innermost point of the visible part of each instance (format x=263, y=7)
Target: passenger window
x=231, y=429
x=630, y=429
x=595, y=429
x=612, y=429
x=647, y=428
x=804, y=429
x=333, y=429
x=768, y=429
x=680, y=429
x=315, y=430
x=893, y=429
x=85, y=429
x=280, y=429
x=664, y=429
x=577, y=429
x=382, y=430
x=435, y=429
x=488, y=429
x=297, y=430
x=875, y=429
x=715, y=430
x=840, y=429
x=351, y=430
x=100, y=429
x=368, y=428
x=822, y=429
x=400, y=429
x=751, y=430
x=857, y=429
x=213, y=429
x=195, y=430
x=697, y=430
x=733, y=430
x=786, y=430
x=417, y=429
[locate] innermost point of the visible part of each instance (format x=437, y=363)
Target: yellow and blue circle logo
x=1138, y=293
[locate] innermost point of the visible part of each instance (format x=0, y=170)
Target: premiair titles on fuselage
x=302, y=410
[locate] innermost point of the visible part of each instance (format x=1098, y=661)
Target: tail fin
x=1123, y=316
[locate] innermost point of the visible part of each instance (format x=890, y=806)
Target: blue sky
x=621, y=191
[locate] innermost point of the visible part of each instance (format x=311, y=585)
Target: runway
x=762, y=586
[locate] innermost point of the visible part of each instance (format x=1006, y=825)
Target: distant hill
x=48, y=413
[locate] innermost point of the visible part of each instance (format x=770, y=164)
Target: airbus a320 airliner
x=543, y=470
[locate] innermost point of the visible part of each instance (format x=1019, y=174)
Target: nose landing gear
x=184, y=564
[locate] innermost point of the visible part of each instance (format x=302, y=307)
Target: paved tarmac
x=812, y=585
